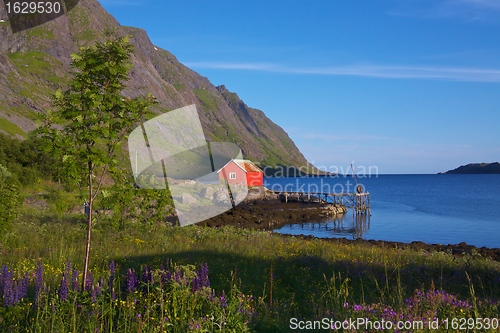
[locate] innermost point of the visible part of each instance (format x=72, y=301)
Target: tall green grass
x=288, y=277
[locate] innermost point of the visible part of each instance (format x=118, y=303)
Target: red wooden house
x=236, y=172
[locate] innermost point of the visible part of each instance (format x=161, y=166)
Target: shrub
x=9, y=198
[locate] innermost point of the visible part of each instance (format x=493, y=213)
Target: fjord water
x=435, y=209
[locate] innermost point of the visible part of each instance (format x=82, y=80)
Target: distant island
x=476, y=168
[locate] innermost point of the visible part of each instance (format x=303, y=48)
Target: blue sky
x=406, y=86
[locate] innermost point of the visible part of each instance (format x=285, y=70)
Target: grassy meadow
x=158, y=278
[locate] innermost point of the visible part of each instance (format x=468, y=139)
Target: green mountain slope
x=36, y=62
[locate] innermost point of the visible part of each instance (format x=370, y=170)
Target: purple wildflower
x=8, y=287
x=166, y=276
x=195, y=284
x=96, y=290
x=3, y=274
x=38, y=281
x=89, y=283
x=194, y=326
x=130, y=281
x=169, y=275
x=16, y=292
x=223, y=300
x=74, y=281
x=111, y=280
x=203, y=275
x=63, y=288
x=93, y=295
x=68, y=268
x=147, y=276
x=24, y=286
x=211, y=296
x=178, y=276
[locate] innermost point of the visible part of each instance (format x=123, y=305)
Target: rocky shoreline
x=266, y=211
x=272, y=215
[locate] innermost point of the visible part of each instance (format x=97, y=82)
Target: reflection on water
x=347, y=225
x=435, y=209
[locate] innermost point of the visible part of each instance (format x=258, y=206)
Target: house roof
x=245, y=165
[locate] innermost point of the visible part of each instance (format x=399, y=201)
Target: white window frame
x=232, y=175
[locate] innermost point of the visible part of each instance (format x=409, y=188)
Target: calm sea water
x=437, y=209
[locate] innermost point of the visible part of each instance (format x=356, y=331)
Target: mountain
x=34, y=63
x=477, y=168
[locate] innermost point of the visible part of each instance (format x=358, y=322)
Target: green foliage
x=175, y=298
x=4, y=174
x=11, y=128
x=311, y=278
x=60, y=200
x=95, y=118
x=130, y=204
x=179, y=86
x=26, y=159
x=33, y=62
x=9, y=198
x=41, y=32
x=206, y=98
x=94, y=114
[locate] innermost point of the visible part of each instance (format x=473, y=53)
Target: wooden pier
x=359, y=201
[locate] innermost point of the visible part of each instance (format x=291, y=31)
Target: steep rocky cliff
x=36, y=62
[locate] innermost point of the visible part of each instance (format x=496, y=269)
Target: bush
x=26, y=159
x=9, y=198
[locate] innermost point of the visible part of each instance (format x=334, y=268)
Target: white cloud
x=375, y=71
x=342, y=137
x=482, y=4
x=238, y=66
x=468, y=11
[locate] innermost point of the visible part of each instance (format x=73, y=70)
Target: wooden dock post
x=359, y=201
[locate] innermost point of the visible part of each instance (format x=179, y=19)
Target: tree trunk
x=89, y=227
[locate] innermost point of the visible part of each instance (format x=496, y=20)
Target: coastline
x=269, y=213
x=454, y=249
